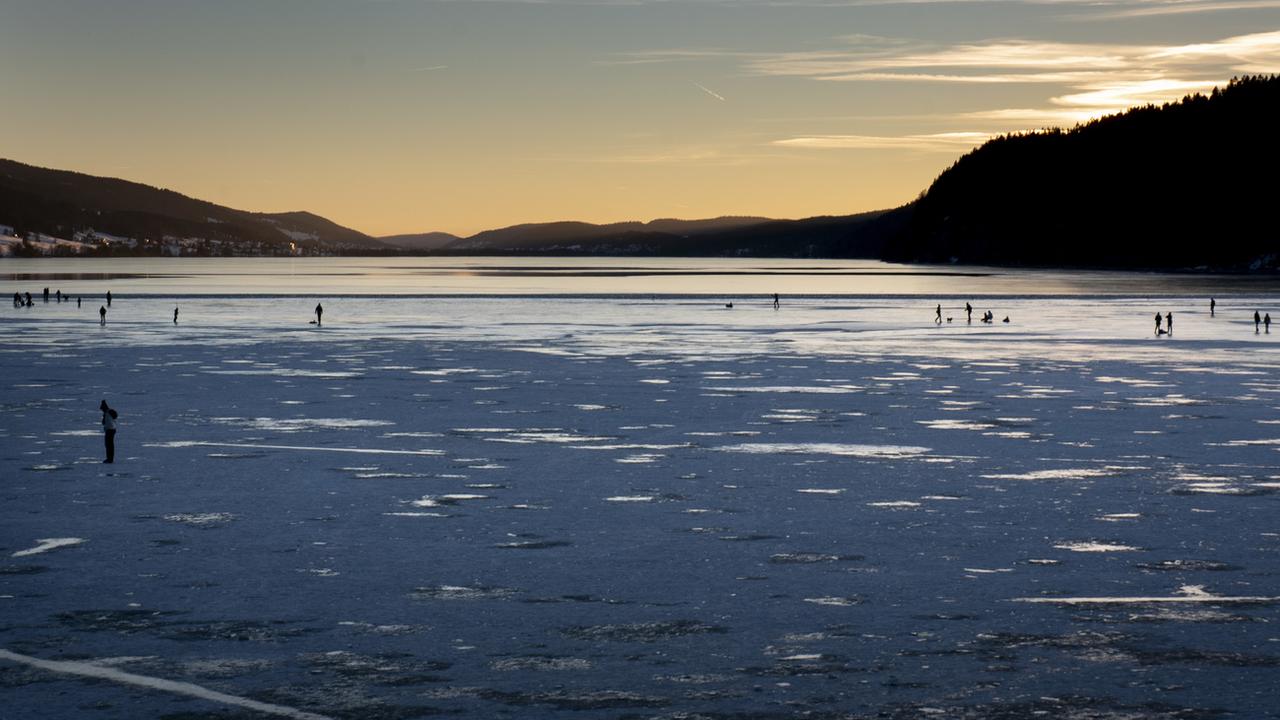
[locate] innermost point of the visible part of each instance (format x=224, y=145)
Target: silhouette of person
x=939, y=318
x=46, y=294
x=109, y=430
x=1168, y=320
x=1266, y=321
x=77, y=302
x=175, y=316
x=776, y=302
x=102, y=315
x=1213, y=304
x=108, y=298
x=58, y=296
x=1158, y=319
x=29, y=303
x=319, y=312
x=17, y=299
x=1256, y=321
x=968, y=312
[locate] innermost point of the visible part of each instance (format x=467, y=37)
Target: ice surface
x=476, y=506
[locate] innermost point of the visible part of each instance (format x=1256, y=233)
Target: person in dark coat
x=109, y=430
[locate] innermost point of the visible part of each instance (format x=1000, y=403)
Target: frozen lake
x=725, y=277
x=627, y=500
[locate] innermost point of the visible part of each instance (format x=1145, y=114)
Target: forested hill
x=61, y=203
x=1190, y=184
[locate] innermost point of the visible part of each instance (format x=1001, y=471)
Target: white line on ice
x=84, y=669
x=371, y=451
x=47, y=544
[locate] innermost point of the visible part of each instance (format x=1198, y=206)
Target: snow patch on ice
x=888, y=452
x=44, y=545
x=1092, y=546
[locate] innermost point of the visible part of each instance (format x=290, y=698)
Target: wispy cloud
x=1092, y=79
x=1125, y=94
x=672, y=55
x=1153, y=8
x=1090, y=9
x=937, y=142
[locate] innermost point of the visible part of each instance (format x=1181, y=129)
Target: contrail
x=708, y=91
x=88, y=670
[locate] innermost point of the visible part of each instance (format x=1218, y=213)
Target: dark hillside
x=1190, y=184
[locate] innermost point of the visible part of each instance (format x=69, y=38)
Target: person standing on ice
x=109, y=430
x=1213, y=304
x=1256, y=321
x=1266, y=321
x=776, y=302
x=938, y=319
x=319, y=312
x=175, y=316
x=1158, y=319
x=102, y=315
x=1168, y=321
x=968, y=313
x=108, y=298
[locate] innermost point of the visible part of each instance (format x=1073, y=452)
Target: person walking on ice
x=1158, y=319
x=1257, y=320
x=938, y=319
x=175, y=316
x=319, y=313
x=102, y=315
x=1266, y=322
x=109, y=416
x=1168, y=321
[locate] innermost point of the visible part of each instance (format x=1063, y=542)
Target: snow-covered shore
x=595, y=508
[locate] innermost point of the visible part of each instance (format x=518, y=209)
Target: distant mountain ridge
x=838, y=236
x=60, y=203
x=419, y=241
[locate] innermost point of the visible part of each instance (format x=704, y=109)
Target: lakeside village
x=92, y=243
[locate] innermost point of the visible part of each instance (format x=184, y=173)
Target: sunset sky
x=397, y=116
